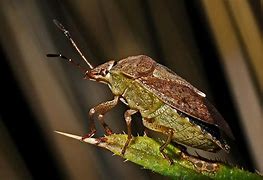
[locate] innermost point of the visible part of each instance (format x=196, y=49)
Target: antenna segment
x=67, y=34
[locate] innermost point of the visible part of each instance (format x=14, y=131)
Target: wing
x=181, y=95
x=165, y=73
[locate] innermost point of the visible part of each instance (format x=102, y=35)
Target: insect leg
x=101, y=110
x=128, y=119
x=163, y=146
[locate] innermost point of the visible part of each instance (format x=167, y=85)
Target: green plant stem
x=145, y=152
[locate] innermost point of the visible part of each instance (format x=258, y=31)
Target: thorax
x=134, y=93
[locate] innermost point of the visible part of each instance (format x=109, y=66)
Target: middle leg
x=128, y=119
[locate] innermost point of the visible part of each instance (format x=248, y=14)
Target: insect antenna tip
x=52, y=55
x=59, y=25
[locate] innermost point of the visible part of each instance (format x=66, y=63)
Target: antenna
x=67, y=34
x=84, y=70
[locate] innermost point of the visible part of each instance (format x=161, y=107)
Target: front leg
x=101, y=110
x=128, y=119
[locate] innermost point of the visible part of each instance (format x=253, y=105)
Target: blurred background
x=216, y=45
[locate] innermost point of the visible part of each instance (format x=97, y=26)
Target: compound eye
x=104, y=72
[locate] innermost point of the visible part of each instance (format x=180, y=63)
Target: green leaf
x=144, y=151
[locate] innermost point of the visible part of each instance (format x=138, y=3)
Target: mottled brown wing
x=163, y=72
x=185, y=99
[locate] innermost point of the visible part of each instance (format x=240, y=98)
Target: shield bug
x=167, y=103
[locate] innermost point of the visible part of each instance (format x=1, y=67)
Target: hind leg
x=163, y=146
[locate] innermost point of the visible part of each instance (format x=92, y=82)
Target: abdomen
x=160, y=117
x=184, y=131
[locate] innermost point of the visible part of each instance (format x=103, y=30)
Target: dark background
x=215, y=45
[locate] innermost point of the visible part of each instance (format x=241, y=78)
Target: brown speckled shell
x=136, y=66
x=172, y=89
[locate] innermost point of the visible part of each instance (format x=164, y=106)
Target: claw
x=126, y=145
x=123, y=150
x=108, y=131
x=89, y=135
x=165, y=156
